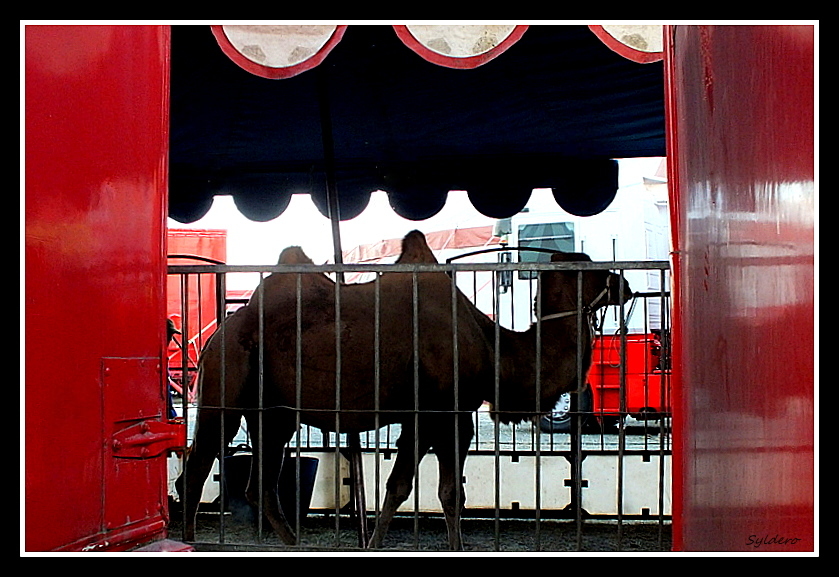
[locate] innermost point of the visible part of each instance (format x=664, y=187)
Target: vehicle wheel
x=559, y=420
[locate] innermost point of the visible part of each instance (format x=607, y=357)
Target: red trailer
x=647, y=377
x=198, y=298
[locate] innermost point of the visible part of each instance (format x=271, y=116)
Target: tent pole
x=354, y=449
x=329, y=167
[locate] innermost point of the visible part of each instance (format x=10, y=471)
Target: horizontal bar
x=652, y=453
x=379, y=267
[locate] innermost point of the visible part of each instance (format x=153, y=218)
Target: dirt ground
x=428, y=535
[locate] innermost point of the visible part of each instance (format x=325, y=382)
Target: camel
x=422, y=394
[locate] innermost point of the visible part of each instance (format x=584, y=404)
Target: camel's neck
x=561, y=338
x=544, y=359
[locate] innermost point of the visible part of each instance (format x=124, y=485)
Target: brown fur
x=404, y=386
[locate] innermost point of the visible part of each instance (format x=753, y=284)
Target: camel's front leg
x=269, y=450
x=400, y=482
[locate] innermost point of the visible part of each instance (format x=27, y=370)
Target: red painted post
x=741, y=133
x=97, y=102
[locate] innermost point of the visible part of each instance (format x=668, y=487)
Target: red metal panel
x=96, y=158
x=209, y=243
x=741, y=126
x=646, y=384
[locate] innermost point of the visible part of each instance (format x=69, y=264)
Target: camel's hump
x=294, y=255
x=416, y=249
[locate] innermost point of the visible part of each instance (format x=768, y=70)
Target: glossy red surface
x=96, y=160
x=741, y=150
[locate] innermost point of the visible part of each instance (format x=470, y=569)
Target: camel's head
x=600, y=287
x=618, y=290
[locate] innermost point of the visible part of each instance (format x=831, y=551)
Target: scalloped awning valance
x=264, y=112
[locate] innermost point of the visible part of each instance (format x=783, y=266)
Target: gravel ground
x=319, y=533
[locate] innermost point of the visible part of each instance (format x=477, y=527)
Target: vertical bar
x=298, y=391
x=458, y=474
x=576, y=452
x=222, y=449
x=200, y=313
x=496, y=313
x=474, y=284
x=623, y=414
x=477, y=439
x=598, y=394
x=337, y=471
x=377, y=319
x=662, y=431
x=512, y=326
x=184, y=384
x=496, y=407
x=221, y=299
x=648, y=369
x=260, y=289
x=184, y=341
x=512, y=292
x=538, y=479
x=417, y=456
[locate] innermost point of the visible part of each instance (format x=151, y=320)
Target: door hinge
x=148, y=439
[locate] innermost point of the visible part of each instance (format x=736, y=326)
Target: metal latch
x=148, y=439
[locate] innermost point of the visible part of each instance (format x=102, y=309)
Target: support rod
x=354, y=450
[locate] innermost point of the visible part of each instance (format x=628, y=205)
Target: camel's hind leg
x=277, y=428
x=451, y=457
x=199, y=460
x=401, y=480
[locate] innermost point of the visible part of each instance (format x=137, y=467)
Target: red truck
x=199, y=307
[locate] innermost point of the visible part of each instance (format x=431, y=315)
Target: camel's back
x=362, y=330
x=377, y=332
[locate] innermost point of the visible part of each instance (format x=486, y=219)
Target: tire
x=559, y=420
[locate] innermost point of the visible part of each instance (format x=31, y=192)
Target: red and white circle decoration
x=640, y=43
x=284, y=51
x=277, y=51
x=459, y=46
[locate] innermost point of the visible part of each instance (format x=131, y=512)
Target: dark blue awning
x=552, y=111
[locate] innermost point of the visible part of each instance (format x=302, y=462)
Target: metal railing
x=628, y=440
